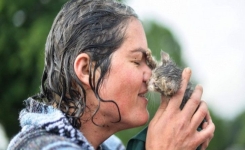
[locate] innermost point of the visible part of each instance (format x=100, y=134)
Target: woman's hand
x=175, y=129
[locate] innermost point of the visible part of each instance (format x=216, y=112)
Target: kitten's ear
x=164, y=56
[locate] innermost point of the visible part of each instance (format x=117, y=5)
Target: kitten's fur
x=166, y=79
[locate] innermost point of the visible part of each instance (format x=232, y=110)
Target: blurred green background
x=24, y=26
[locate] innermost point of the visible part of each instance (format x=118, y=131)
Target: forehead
x=135, y=43
x=135, y=38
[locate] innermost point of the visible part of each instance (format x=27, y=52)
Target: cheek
x=121, y=85
x=129, y=81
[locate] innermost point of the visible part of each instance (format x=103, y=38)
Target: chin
x=141, y=119
x=136, y=119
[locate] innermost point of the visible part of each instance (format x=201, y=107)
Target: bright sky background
x=212, y=36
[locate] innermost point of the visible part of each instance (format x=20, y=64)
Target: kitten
x=166, y=79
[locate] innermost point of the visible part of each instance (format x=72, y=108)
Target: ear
x=81, y=68
x=164, y=56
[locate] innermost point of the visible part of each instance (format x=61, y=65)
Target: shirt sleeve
x=138, y=141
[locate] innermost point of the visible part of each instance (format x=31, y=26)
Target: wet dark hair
x=95, y=27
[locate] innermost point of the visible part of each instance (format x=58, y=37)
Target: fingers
x=164, y=102
x=194, y=102
x=208, y=127
x=162, y=107
x=176, y=100
x=206, y=143
x=200, y=115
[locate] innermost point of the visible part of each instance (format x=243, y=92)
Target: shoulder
x=41, y=139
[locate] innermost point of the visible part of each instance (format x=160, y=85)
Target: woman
x=94, y=85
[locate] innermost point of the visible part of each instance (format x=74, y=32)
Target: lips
x=142, y=94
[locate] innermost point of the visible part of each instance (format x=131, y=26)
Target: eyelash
x=136, y=62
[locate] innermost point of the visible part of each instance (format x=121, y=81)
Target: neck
x=96, y=134
x=103, y=124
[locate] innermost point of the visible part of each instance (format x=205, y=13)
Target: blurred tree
x=237, y=132
x=221, y=140
x=24, y=27
x=160, y=38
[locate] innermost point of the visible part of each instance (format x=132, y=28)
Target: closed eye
x=136, y=62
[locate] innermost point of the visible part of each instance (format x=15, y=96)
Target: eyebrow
x=142, y=50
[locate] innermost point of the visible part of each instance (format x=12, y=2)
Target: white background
x=212, y=36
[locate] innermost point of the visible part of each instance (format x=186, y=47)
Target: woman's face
x=126, y=80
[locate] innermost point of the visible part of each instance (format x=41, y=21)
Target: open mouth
x=141, y=95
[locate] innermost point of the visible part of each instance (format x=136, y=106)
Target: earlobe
x=81, y=68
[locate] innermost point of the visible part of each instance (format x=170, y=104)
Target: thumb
x=162, y=107
x=164, y=102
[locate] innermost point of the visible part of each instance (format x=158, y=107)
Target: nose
x=147, y=74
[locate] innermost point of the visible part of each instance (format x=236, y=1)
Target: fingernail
x=198, y=86
x=187, y=70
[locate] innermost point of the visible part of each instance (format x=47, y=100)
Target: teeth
x=141, y=95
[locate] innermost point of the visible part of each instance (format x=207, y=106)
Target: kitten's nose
x=150, y=85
